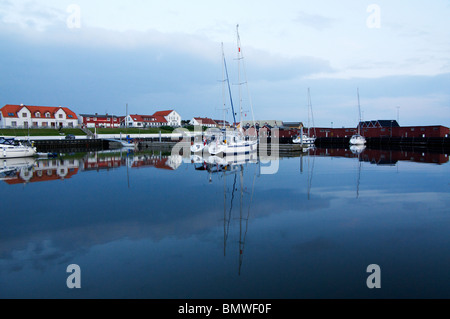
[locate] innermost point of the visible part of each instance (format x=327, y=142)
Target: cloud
x=317, y=22
x=31, y=15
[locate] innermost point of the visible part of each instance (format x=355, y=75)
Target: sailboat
x=10, y=148
x=358, y=139
x=234, y=141
x=306, y=139
x=202, y=141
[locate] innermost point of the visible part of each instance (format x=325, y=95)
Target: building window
x=10, y=114
x=47, y=115
x=13, y=123
x=412, y=130
x=38, y=114
x=60, y=116
x=88, y=118
x=70, y=116
x=24, y=114
x=44, y=124
x=35, y=124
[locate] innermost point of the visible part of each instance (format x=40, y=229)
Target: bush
x=167, y=128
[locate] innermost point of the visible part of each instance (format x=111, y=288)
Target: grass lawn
x=130, y=130
x=40, y=132
x=79, y=132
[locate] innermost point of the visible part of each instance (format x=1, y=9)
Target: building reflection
x=33, y=170
x=386, y=157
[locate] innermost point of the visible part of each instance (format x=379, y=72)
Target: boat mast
x=359, y=114
x=229, y=87
x=309, y=106
x=240, y=57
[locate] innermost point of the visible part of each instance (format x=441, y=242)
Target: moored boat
x=10, y=148
x=358, y=139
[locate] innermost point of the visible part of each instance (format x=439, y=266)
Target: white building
x=200, y=121
x=162, y=118
x=145, y=121
x=26, y=116
x=172, y=117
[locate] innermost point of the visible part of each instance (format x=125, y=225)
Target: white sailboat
x=306, y=139
x=234, y=141
x=358, y=139
x=10, y=148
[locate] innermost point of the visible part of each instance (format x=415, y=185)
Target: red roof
x=11, y=111
x=148, y=118
x=163, y=113
x=205, y=121
x=44, y=178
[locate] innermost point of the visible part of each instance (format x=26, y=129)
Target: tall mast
x=309, y=106
x=359, y=114
x=239, y=57
x=229, y=87
x=223, y=86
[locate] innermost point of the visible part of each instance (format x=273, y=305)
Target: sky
x=100, y=56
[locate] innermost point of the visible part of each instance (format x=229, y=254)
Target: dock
x=429, y=142
x=73, y=146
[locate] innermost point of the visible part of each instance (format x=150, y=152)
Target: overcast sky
x=97, y=56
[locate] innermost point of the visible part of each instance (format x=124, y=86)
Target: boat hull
x=305, y=141
x=234, y=149
x=16, y=152
x=357, y=140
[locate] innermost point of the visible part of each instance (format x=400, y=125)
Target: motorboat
x=11, y=148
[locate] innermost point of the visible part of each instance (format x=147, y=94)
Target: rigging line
x=229, y=87
x=312, y=113
x=231, y=208
x=241, y=57
x=248, y=211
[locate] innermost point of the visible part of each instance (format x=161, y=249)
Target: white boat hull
x=199, y=147
x=306, y=140
x=17, y=151
x=358, y=140
x=243, y=147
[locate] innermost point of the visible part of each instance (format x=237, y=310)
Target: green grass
x=130, y=130
x=40, y=132
x=79, y=132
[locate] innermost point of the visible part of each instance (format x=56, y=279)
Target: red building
x=104, y=121
x=384, y=128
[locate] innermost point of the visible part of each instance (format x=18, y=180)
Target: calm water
x=152, y=226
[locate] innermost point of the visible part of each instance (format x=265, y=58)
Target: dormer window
x=37, y=114
x=47, y=115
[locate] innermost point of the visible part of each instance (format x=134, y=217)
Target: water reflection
x=186, y=223
x=32, y=170
x=386, y=156
x=237, y=199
